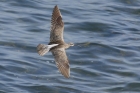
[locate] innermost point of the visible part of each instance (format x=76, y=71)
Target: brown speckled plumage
x=56, y=37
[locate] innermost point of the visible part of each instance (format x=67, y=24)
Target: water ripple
x=105, y=57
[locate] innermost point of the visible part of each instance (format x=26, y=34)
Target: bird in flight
x=57, y=44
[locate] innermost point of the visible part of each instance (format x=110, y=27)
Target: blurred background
x=105, y=58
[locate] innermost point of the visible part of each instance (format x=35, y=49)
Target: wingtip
x=56, y=6
x=64, y=71
x=67, y=76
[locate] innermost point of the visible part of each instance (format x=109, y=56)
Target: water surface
x=105, y=58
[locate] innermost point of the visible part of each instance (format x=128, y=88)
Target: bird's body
x=57, y=45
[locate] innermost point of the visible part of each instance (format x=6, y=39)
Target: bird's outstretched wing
x=57, y=26
x=62, y=61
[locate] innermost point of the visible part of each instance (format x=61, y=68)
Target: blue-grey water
x=105, y=58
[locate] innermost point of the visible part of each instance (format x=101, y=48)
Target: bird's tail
x=42, y=49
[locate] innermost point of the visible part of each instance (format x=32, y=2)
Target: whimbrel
x=57, y=44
